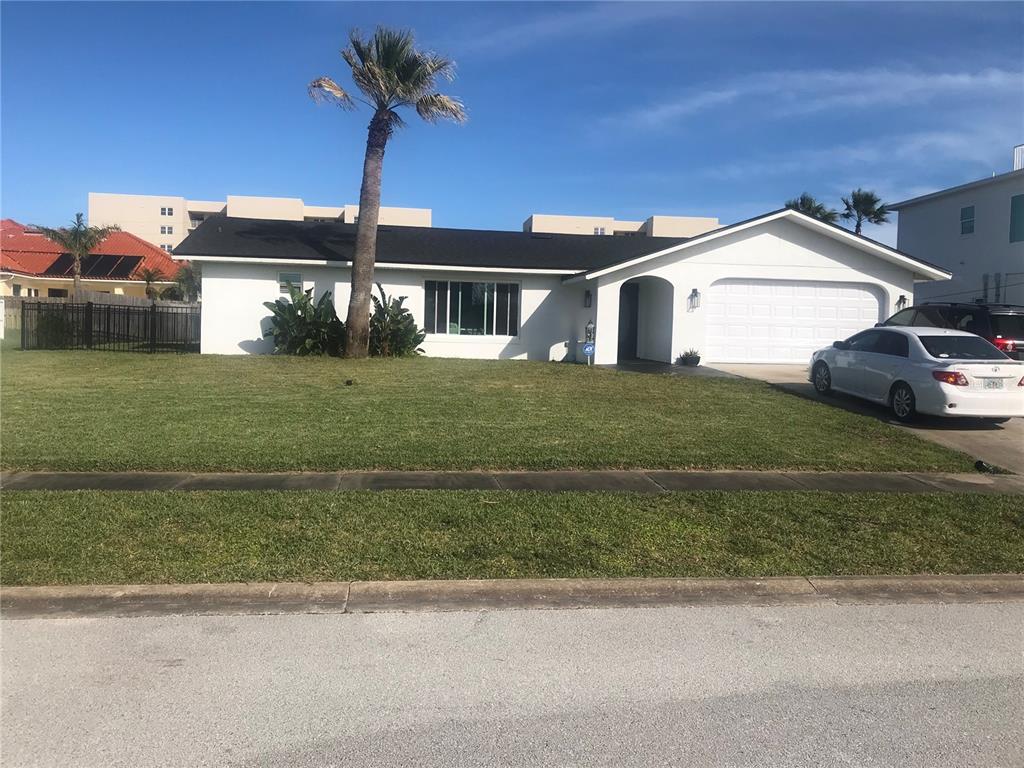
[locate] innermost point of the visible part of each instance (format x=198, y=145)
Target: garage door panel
x=783, y=321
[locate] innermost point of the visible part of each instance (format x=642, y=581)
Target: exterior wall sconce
x=588, y=299
x=901, y=302
x=693, y=300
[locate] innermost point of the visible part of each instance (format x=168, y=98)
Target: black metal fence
x=110, y=327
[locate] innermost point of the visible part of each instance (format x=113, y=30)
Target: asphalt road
x=877, y=685
x=1001, y=445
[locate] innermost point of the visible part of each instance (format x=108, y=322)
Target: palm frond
x=437, y=106
x=324, y=89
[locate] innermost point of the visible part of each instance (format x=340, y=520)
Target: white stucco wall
x=234, y=318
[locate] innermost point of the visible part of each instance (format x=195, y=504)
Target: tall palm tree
x=863, y=205
x=391, y=73
x=78, y=240
x=806, y=204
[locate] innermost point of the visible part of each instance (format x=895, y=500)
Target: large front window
x=471, y=309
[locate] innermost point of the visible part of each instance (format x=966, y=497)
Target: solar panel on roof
x=61, y=265
x=97, y=266
x=125, y=266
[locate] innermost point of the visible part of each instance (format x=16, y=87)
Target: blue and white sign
x=588, y=349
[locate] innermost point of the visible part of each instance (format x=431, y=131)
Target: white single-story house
x=771, y=289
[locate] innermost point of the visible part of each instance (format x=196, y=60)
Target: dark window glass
x=970, y=321
x=454, y=306
x=930, y=317
x=501, y=300
x=961, y=348
x=864, y=341
x=906, y=317
x=430, y=306
x=1016, y=218
x=489, y=308
x=471, y=318
x=57, y=293
x=893, y=344
x=1008, y=326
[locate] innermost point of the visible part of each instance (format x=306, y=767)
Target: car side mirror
x=840, y=345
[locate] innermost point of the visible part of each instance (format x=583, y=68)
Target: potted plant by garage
x=689, y=357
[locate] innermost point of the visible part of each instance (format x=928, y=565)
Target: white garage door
x=783, y=321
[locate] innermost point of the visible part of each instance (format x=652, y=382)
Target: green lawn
x=109, y=411
x=123, y=537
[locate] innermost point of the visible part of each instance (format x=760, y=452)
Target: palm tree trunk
x=357, y=324
x=76, y=270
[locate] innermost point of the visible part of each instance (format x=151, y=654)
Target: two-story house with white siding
x=975, y=231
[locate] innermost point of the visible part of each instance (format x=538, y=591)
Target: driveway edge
x=491, y=595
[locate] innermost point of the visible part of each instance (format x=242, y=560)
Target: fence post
x=152, y=328
x=24, y=314
x=88, y=325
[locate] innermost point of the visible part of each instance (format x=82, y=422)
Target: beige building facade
x=654, y=226
x=165, y=220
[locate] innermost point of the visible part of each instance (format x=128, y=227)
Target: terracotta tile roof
x=27, y=252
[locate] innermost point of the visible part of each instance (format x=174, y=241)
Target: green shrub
x=301, y=327
x=54, y=330
x=393, y=331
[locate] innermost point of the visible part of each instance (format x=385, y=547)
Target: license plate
x=993, y=383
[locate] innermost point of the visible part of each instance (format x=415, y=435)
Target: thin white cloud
x=803, y=92
x=583, y=21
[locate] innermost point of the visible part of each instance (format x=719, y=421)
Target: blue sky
x=609, y=109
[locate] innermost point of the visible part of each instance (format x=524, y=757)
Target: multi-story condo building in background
x=975, y=231
x=655, y=226
x=165, y=220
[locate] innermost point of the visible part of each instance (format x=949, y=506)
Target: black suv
x=1001, y=324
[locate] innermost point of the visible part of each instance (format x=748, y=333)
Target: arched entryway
x=645, y=320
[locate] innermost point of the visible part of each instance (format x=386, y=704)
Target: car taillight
x=950, y=377
x=1006, y=345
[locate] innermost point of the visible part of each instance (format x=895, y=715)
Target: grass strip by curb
x=94, y=537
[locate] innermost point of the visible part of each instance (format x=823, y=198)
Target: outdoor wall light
x=588, y=299
x=901, y=302
x=693, y=300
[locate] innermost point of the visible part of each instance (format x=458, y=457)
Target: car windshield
x=1008, y=326
x=960, y=348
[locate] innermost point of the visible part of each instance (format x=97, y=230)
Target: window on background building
x=471, y=309
x=57, y=293
x=17, y=289
x=166, y=230
x=167, y=247
x=1017, y=219
x=284, y=279
x=967, y=220
x=598, y=230
x=166, y=211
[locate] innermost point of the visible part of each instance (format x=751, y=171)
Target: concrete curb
x=634, y=481
x=499, y=594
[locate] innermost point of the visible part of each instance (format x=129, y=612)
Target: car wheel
x=903, y=402
x=821, y=377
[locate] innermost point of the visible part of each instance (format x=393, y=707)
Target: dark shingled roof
x=228, y=237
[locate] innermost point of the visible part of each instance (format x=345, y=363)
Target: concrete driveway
x=1001, y=445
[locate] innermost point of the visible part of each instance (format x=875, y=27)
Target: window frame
x=282, y=284
x=967, y=222
x=491, y=314
x=1017, y=222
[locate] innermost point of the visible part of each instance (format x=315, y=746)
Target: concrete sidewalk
x=495, y=594
x=636, y=481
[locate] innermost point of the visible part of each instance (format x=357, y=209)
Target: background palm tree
x=391, y=73
x=806, y=204
x=189, y=281
x=863, y=205
x=151, y=276
x=78, y=240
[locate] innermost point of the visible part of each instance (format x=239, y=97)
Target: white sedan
x=923, y=370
